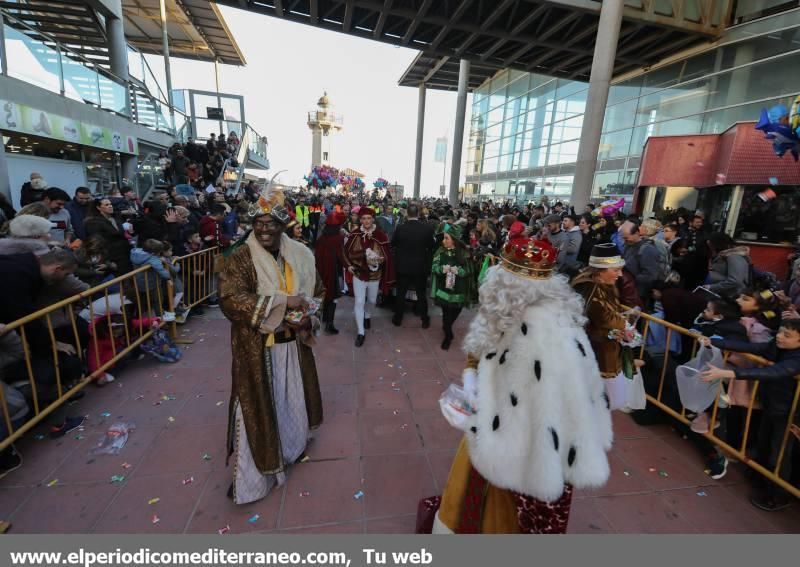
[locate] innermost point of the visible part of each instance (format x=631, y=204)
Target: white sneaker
x=105, y=379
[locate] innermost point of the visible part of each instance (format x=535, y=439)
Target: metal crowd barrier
x=741, y=452
x=137, y=303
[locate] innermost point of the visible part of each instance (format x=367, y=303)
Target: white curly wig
x=29, y=226
x=504, y=297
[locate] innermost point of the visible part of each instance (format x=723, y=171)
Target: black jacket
x=728, y=329
x=20, y=287
x=117, y=247
x=777, y=381
x=413, y=243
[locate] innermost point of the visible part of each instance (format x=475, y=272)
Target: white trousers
x=364, y=292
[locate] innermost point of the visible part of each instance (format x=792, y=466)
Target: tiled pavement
x=382, y=435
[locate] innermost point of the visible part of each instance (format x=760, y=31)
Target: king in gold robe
x=275, y=395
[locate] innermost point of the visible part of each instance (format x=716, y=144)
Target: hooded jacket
x=730, y=272
x=641, y=261
x=777, y=381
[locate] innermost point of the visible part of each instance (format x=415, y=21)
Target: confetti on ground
x=651, y=469
x=139, y=397
x=79, y=437
x=126, y=465
x=153, y=501
x=189, y=480
x=206, y=457
x=171, y=419
x=702, y=493
x=396, y=389
x=395, y=412
x=168, y=398
x=305, y=459
x=397, y=350
x=220, y=403
x=155, y=519
x=663, y=473
x=626, y=473
x=105, y=414
x=117, y=478
x=156, y=403
x=168, y=376
x=305, y=494
x=199, y=396
x=39, y=437
x=394, y=384
x=359, y=495
x=155, y=375
x=52, y=482
x=224, y=530
x=380, y=377
x=390, y=365
x=254, y=518
x=404, y=426
x=773, y=180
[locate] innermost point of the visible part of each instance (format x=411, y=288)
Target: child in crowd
x=193, y=242
x=776, y=390
x=174, y=269
x=150, y=282
x=720, y=319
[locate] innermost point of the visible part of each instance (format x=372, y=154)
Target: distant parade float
x=782, y=127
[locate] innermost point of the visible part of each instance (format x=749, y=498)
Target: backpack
x=664, y=259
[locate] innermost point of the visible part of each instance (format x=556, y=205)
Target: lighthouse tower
x=323, y=122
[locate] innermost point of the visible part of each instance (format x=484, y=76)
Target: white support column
x=118, y=53
x=458, y=136
x=167, y=67
x=605, y=51
x=420, y=132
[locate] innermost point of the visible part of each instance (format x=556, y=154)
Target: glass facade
x=525, y=128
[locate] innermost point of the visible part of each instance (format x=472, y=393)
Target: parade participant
x=452, y=279
x=539, y=425
x=413, y=244
x=597, y=286
x=266, y=285
x=367, y=256
x=328, y=252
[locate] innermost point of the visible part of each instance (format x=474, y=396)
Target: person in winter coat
x=211, y=228
x=452, y=277
x=150, y=281
x=730, y=266
x=776, y=391
x=568, y=257
x=100, y=222
x=329, y=256
x=641, y=259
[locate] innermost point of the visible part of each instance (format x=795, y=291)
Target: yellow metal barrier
x=139, y=298
x=740, y=453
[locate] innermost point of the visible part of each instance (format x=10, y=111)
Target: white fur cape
x=542, y=416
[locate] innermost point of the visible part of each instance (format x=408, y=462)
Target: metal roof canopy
x=196, y=30
x=552, y=37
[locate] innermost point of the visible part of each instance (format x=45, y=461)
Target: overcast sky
x=288, y=68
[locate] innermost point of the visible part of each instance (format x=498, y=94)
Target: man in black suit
x=413, y=243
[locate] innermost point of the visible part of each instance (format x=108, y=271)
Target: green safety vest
x=301, y=211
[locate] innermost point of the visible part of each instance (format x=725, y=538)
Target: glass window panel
x=768, y=79
x=672, y=103
x=507, y=145
x=504, y=162
x=624, y=91
x=31, y=60
x=491, y=150
x=499, y=82
x=495, y=115
x=489, y=165
x=566, y=88
x=615, y=144
x=720, y=120
x=493, y=132
x=566, y=152
x=113, y=95
x=80, y=82
x=620, y=116
x=519, y=84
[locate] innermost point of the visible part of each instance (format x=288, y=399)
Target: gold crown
x=528, y=258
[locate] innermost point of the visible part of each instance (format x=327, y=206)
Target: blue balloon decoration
x=780, y=126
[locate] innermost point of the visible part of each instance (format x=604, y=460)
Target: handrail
x=63, y=50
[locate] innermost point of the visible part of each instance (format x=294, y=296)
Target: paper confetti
x=721, y=177
x=397, y=350
x=168, y=376
x=651, y=469
x=220, y=403
x=773, y=180
x=663, y=474
x=105, y=414
x=305, y=459
x=168, y=398
x=171, y=419
x=155, y=519
x=126, y=465
x=254, y=518
x=702, y=493
x=206, y=457
x=189, y=480
x=79, y=437
x=52, y=482
x=359, y=495
x=156, y=403
x=395, y=412
x=305, y=494
x=139, y=397
x=153, y=501
x=396, y=389
x=117, y=478
x=390, y=365
x=626, y=473
x=39, y=437
x=224, y=530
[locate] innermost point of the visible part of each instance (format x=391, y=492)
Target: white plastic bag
x=635, y=397
x=112, y=442
x=695, y=394
x=616, y=390
x=455, y=407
